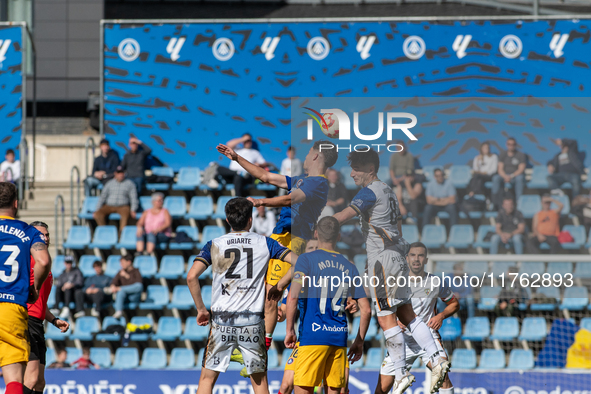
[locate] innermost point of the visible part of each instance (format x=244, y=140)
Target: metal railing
x=23, y=181
x=88, y=144
x=77, y=170
x=59, y=239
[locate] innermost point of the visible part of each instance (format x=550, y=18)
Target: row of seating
x=575, y=298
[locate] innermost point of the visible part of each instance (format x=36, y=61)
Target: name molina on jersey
x=331, y=264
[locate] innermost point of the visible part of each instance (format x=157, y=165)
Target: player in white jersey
x=377, y=207
x=425, y=293
x=239, y=262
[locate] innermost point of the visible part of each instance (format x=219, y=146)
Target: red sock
x=14, y=388
x=268, y=341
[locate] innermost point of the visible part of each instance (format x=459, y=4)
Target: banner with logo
x=183, y=87
x=11, y=86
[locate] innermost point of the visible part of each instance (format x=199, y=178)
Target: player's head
x=311, y=245
x=364, y=166
x=119, y=174
x=417, y=257
x=328, y=230
x=8, y=201
x=9, y=156
x=105, y=147
x=43, y=229
x=291, y=152
x=239, y=214
x=98, y=267
x=322, y=155
x=126, y=261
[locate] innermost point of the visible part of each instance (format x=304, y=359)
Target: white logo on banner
x=129, y=49
x=269, y=45
x=461, y=44
x=223, y=49
x=364, y=45
x=318, y=48
x=174, y=47
x=414, y=47
x=4, y=44
x=557, y=44
x=510, y=46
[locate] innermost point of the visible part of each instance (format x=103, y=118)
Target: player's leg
x=334, y=370
x=309, y=368
x=216, y=358
x=288, y=374
x=40, y=386
x=14, y=346
x=270, y=317
x=259, y=382
x=31, y=376
x=385, y=383
x=207, y=381
x=251, y=344
x=32, y=368
x=446, y=386
x=13, y=377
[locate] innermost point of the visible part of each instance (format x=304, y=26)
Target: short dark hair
x=97, y=263
x=8, y=151
x=330, y=154
x=127, y=257
x=328, y=229
x=438, y=170
x=238, y=212
x=104, y=141
x=368, y=157
x=7, y=195
x=419, y=245
x=512, y=139
x=38, y=223
x=291, y=148
x=247, y=134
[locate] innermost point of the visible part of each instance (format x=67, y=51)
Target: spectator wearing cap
x=66, y=285
x=546, y=226
x=10, y=169
x=127, y=285
x=92, y=292
x=511, y=169
x=134, y=163
x=566, y=166
x=103, y=168
x=119, y=196
x=510, y=228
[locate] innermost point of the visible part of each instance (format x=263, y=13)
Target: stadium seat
x=533, y=329
x=192, y=232
x=189, y=178
x=354, y=328
x=428, y=172
x=561, y=268
x=410, y=232
x=505, y=329
x=460, y=176
x=346, y=178
x=492, y=359
x=194, y=332
x=451, y=329
x=578, y=233
x=169, y=329
x=473, y=214
x=156, y=298
x=461, y=236
x=145, y=202
x=160, y=171
x=176, y=205
x=550, y=292
x=200, y=208
x=181, y=298
x=181, y=358
x=373, y=330
x=220, y=212
x=105, y=237
x=586, y=323
x=347, y=228
x=476, y=329
x=140, y=321
x=360, y=260
x=126, y=358
x=483, y=230
x=373, y=359
x=205, y=275
x=521, y=359
x=171, y=267
x=78, y=238
x=73, y=354
x=113, y=265
x=88, y=207
x=110, y=321
x=583, y=270
x=272, y=359
x=464, y=359
x=575, y=298
x=58, y=266
x=488, y=298
x=54, y=333
x=476, y=268
x=101, y=356
x=538, y=178
x=51, y=298
x=502, y=268
x=532, y=267
x=85, y=264
x=444, y=267
x=206, y=294
x=147, y=266
x=209, y=233
x=588, y=244
x=285, y=356
x=529, y=205
x=433, y=235
x=565, y=202
x=85, y=328
x=49, y=356
x=128, y=238
x=200, y=356
x=587, y=183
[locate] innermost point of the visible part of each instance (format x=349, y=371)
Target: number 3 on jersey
x=10, y=262
x=237, y=256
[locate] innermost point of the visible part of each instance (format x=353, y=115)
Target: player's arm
x=356, y=349
x=200, y=264
x=279, y=252
x=345, y=215
x=452, y=306
x=253, y=169
x=290, y=313
x=42, y=263
x=56, y=321
x=274, y=202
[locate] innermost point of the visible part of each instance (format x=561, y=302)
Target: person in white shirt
x=484, y=166
x=263, y=221
x=10, y=169
x=291, y=166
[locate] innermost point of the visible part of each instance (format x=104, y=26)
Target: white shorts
x=413, y=351
x=388, y=270
x=222, y=341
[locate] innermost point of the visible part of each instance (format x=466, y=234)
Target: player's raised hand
x=356, y=350
x=228, y=152
x=62, y=325
x=290, y=339
x=255, y=201
x=203, y=318
x=274, y=294
x=352, y=306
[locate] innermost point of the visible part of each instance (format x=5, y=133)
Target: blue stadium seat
x=153, y=358
x=410, y=232
x=346, y=178
x=128, y=238
x=529, y=205
x=260, y=185
x=201, y=208
x=433, y=235
x=205, y=275
x=372, y=330
x=206, y=295
x=533, y=329
x=272, y=359
x=113, y=265
x=575, y=298
x=156, y=298
x=565, y=200
x=428, y=172
x=54, y=333
x=181, y=358
x=578, y=233
x=88, y=208
x=105, y=237
x=550, y=292
x=200, y=356
x=532, y=267
x=502, y=267
x=521, y=359
x=141, y=320
x=587, y=183
x=126, y=358
x=110, y=321
x=189, y=178
x=85, y=264
x=461, y=236
x=538, y=178
x=176, y=205
x=171, y=267
x=373, y=358
x=483, y=230
x=474, y=214
x=460, y=175
x=285, y=356
x=101, y=356
x=58, y=266
x=445, y=267
x=51, y=298
x=451, y=329
x=85, y=328
x=561, y=268
x=354, y=328
x=476, y=268
x=181, y=298
x=220, y=212
x=488, y=298
x=476, y=329
x=73, y=354
x=194, y=332
x=160, y=171
x=416, y=364
x=192, y=232
x=464, y=359
x=505, y=329
x=145, y=202
x=583, y=270
x=347, y=228
x=49, y=356
x=209, y=233
x=359, y=260
x=492, y=359
x=169, y=329
x=588, y=244
x=78, y=238
x=147, y=266
x=586, y=323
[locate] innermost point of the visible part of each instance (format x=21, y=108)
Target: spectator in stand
x=66, y=285
x=401, y=163
x=84, y=362
x=337, y=193
x=510, y=296
x=263, y=221
x=411, y=198
x=103, y=168
x=510, y=228
x=441, y=196
x=119, y=196
x=484, y=166
x=566, y=166
x=127, y=285
x=511, y=170
x=92, y=292
x=134, y=163
x=463, y=292
x=546, y=227
x=10, y=169
x=291, y=165
x=154, y=227
x=60, y=360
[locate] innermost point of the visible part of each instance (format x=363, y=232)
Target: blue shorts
x=154, y=238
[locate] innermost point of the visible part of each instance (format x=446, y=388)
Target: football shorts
x=14, y=334
x=277, y=268
x=315, y=364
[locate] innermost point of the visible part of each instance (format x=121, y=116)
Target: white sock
x=446, y=391
x=396, y=350
x=423, y=336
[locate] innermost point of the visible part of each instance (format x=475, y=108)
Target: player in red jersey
x=34, y=381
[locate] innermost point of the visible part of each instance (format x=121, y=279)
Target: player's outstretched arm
x=356, y=350
x=451, y=308
x=273, y=202
x=254, y=170
x=193, y=283
x=42, y=263
x=345, y=214
x=290, y=314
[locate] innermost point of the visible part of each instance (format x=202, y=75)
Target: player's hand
x=274, y=294
x=255, y=202
x=435, y=322
x=355, y=351
x=402, y=326
x=62, y=325
x=352, y=306
x=290, y=339
x=33, y=295
x=203, y=317
x=228, y=152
